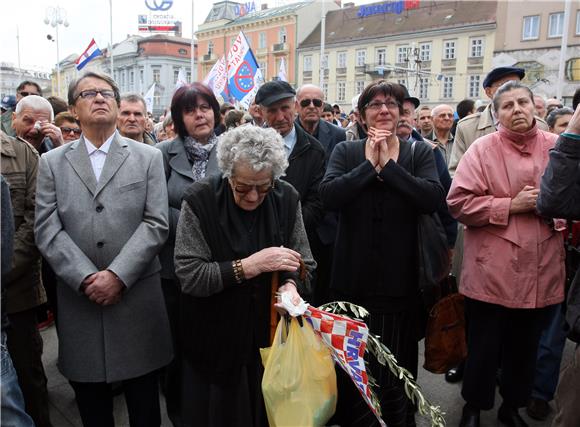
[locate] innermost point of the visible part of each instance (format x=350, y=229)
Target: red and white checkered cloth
x=347, y=339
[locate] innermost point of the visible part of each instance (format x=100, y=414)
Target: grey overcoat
x=119, y=224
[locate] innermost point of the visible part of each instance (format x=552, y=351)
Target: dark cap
x=408, y=97
x=274, y=91
x=8, y=102
x=498, y=73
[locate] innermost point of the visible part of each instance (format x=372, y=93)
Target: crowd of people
x=161, y=249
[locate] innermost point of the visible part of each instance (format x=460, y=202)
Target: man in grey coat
x=101, y=219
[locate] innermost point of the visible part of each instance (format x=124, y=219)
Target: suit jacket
x=120, y=224
x=328, y=135
x=179, y=176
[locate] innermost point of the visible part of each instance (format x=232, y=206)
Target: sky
x=87, y=19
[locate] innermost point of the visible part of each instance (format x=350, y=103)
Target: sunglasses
x=306, y=102
x=246, y=188
x=23, y=93
x=76, y=131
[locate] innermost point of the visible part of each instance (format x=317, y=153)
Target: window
x=361, y=57
x=325, y=61
x=448, y=87
x=263, y=66
x=325, y=90
x=340, y=91
x=188, y=76
x=401, y=54
x=131, y=79
x=476, y=48
x=474, y=85
x=210, y=48
x=341, y=60
x=423, y=88
x=282, y=35
x=262, y=40
x=578, y=23
x=449, y=49
x=175, y=75
x=360, y=86
x=425, y=51
x=122, y=80
x=531, y=27
x=381, y=56
x=556, y=24
x=156, y=75
x=141, y=77
x=307, y=63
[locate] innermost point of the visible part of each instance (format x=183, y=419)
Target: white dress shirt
x=97, y=156
x=290, y=141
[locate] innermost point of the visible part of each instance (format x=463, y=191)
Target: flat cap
x=274, y=91
x=500, y=72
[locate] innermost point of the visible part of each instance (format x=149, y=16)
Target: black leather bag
x=433, y=255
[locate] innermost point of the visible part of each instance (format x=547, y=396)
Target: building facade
x=11, y=76
x=139, y=62
x=273, y=34
x=529, y=35
x=440, y=50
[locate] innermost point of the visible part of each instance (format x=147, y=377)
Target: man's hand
x=525, y=201
x=104, y=288
x=53, y=132
x=574, y=124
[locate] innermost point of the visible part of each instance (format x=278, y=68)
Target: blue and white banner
x=217, y=79
x=88, y=55
x=244, y=74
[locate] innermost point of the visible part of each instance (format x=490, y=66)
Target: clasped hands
x=103, y=287
x=381, y=147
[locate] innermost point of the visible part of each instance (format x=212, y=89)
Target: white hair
x=35, y=102
x=252, y=146
x=435, y=111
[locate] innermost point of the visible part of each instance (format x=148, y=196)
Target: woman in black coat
x=369, y=182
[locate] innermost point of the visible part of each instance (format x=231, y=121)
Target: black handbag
x=433, y=255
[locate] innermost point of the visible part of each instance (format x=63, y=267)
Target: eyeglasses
x=377, y=105
x=23, y=93
x=306, y=102
x=76, y=131
x=246, y=188
x=91, y=94
x=204, y=108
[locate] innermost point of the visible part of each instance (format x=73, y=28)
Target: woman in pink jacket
x=513, y=264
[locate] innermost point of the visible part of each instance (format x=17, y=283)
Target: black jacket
x=327, y=134
x=305, y=172
x=560, y=198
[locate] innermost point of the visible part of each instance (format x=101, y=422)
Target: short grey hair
x=556, y=113
x=133, y=98
x=73, y=86
x=35, y=102
x=256, y=147
x=508, y=87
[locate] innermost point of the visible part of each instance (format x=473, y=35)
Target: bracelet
x=239, y=275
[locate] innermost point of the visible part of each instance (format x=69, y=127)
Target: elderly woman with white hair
x=235, y=230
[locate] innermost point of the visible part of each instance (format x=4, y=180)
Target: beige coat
x=19, y=168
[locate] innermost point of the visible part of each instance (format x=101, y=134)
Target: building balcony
x=360, y=69
x=448, y=63
x=262, y=51
x=377, y=70
x=474, y=61
x=280, y=48
x=307, y=74
x=208, y=57
x=341, y=71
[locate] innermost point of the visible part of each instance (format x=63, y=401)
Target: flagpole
x=193, y=70
x=111, y=34
x=322, y=41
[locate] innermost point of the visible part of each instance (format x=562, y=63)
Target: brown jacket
x=19, y=167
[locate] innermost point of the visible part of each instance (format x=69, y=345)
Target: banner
x=181, y=79
x=217, y=78
x=282, y=71
x=149, y=98
x=244, y=75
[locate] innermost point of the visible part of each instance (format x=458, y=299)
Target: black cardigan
x=375, y=251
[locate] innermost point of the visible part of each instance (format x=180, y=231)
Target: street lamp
x=54, y=17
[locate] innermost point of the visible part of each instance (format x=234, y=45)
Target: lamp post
x=54, y=17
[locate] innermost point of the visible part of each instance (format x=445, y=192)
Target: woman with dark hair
x=233, y=119
x=379, y=187
x=187, y=158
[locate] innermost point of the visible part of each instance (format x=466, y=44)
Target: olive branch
x=384, y=356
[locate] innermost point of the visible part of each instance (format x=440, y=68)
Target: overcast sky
x=87, y=19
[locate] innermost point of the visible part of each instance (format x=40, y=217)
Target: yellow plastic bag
x=299, y=383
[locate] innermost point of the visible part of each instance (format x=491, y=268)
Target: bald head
x=310, y=88
x=442, y=116
x=309, y=104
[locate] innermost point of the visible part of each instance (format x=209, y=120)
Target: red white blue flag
x=88, y=55
x=244, y=75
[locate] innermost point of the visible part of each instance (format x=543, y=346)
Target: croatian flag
x=88, y=55
x=217, y=79
x=244, y=75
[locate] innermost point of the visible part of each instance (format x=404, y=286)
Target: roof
x=345, y=25
x=222, y=10
x=164, y=37
x=269, y=13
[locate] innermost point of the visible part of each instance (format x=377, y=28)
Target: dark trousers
x=398, y=333
x=500, y=337
x=323, y=255
x=95, y=402
x=171, y=375
x=25, y=346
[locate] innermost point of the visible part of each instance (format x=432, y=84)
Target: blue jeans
x=550, y=351
x=13, y=414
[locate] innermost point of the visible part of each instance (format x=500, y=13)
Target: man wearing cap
x=305, y=154
x=484, y=123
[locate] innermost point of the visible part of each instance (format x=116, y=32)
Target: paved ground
x=64, y=412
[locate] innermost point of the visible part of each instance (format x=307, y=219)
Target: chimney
x=348, y=5
x=264, y=6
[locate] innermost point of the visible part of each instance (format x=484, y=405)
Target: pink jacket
x=515, y=261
